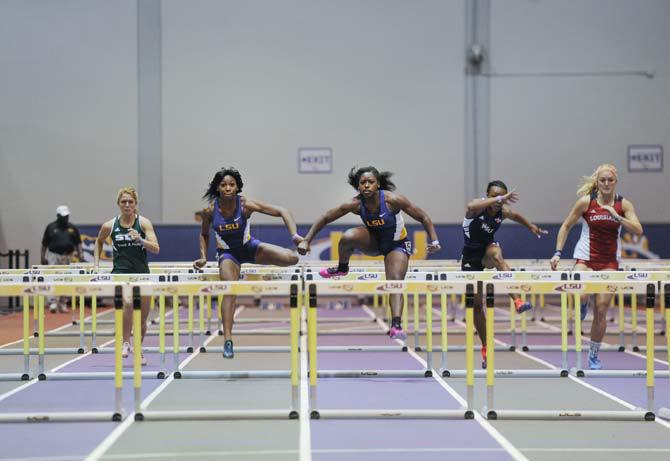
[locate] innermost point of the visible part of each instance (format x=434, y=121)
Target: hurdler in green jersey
x=132, y=236
x=130, y=256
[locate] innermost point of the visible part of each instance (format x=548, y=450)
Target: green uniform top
x=130, y=257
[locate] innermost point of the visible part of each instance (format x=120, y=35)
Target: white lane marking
x=580, y=381
x=598, y=450
x=497, y=436
x=635, y=354
x=107, y=443
x=62, y=327
x=35, y=380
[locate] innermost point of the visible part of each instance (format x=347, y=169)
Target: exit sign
x=645, y=158
x=315, y=160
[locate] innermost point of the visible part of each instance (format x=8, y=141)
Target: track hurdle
x=81, y=416
x=664, y=412
x=575, y=288
x=515, y=276
x=336, y=287
x=380, y=277
x=261, y=274
x=657, y=277
x=277, y=288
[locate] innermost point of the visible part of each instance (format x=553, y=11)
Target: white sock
x=594, y=348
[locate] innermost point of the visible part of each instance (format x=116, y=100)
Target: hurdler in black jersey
x=478, y=233
x=483, y=218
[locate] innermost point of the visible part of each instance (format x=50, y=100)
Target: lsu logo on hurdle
x=569, y=287
x=390, y=287
x=215, y=289
x=638, y=276
x=369, y=276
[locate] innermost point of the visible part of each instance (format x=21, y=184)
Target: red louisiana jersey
x=599, y=241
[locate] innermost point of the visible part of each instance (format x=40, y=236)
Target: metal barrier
x=14, y=262
x=337, y=287
x=39, y=290
x=576, y=288
x=205, y=287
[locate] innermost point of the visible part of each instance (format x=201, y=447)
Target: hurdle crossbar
x=234, y=374
x=215, y=415
x=391, y=414
x=374, y=373
x=571, y=415
x=60, y=417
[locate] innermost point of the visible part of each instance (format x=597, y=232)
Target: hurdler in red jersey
x=599, y=246
x=603, y=213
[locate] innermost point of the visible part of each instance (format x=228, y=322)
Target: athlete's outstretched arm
x=105, y=231
x=521, y=219
x=203, y=238
x=328, y=217
x=477, y=205
x=277, y=211
x=629, y=220
x=402, y=203
x=577, y=211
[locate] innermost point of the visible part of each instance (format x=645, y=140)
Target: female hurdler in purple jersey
x=228, y=214
x=383, y=232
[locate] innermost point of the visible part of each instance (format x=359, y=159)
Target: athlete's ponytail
x=589, y=184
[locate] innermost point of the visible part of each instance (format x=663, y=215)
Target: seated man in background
x=60, y=241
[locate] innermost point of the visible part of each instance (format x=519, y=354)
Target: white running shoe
x=125, y=350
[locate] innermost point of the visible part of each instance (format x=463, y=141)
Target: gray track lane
x=553, y=440
x=249, y=440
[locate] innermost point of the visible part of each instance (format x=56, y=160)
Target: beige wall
x=68, y=125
